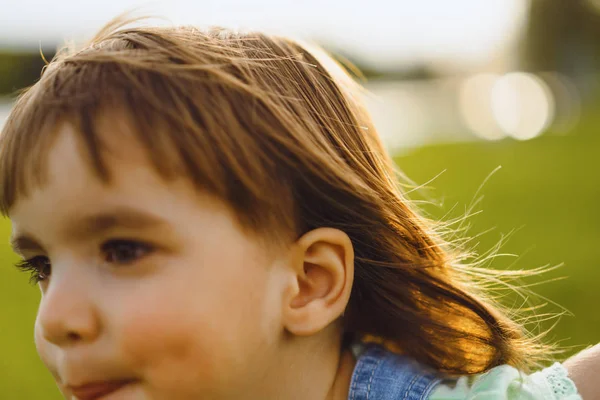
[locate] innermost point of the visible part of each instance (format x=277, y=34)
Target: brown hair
x=276, y=128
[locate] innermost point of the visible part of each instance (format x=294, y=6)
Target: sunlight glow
x=522, y=105
x=517, y=104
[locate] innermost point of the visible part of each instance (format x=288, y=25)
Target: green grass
x=548, y=189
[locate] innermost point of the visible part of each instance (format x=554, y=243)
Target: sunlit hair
x=277, y=129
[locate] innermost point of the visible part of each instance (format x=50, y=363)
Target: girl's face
x=149, y=288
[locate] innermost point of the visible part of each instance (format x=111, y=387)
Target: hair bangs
x=188, y=126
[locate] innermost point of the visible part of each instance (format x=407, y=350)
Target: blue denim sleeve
x=383, y=375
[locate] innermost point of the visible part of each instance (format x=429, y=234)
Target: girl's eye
x=39, y=268
x=124, y=251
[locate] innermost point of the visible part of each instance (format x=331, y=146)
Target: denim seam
x=356, y=373
x=373, y=374
x=412, y=383
x=429, y=388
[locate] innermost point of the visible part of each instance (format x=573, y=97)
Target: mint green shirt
x=507, y=383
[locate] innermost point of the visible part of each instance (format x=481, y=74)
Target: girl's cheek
x=171, y=347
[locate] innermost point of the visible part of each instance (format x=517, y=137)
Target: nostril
x=73, y=337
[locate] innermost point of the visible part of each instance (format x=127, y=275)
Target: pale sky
x=383, y=32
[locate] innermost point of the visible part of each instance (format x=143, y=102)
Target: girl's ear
x=323, y=266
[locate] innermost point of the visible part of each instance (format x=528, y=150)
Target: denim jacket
x=382, y=375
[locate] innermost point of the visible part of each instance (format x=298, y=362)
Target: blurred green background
x=540, y=125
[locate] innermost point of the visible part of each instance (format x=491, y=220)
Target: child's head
x=204, y=207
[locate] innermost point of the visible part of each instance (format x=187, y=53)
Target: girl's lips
x=96, y=390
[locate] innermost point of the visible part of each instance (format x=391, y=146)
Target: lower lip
x=101, y=391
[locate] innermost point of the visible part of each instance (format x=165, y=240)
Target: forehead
x=73, y=204
x=73, y=199
x=70, y=158
x=113, y=140
x=71, y=184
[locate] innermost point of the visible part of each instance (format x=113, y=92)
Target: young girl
x=211, y=215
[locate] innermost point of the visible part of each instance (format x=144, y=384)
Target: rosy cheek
x=172, y=348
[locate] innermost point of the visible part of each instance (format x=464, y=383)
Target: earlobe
x=323, y=265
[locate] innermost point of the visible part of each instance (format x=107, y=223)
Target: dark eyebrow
x=94, y=224
x=24, y=243
x=123, y=217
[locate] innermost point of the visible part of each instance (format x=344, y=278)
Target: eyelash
x=40, y=273
x=37, y=273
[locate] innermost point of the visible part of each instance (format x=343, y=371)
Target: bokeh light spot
x=522, y=105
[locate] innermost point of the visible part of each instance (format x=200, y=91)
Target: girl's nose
x=67, y=315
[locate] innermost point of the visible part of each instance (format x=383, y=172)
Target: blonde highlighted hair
x=275, y=128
